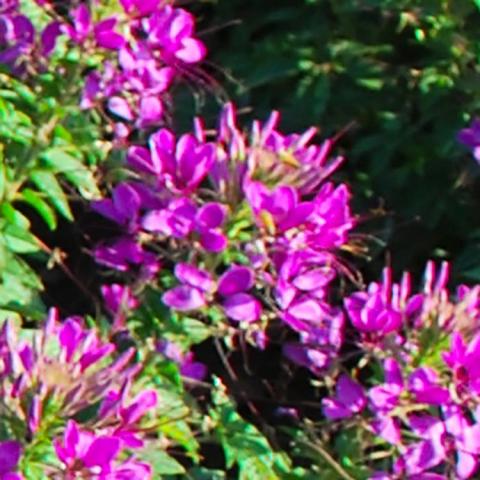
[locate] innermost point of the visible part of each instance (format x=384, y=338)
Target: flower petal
x=242, y=307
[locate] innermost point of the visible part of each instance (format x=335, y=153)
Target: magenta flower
x=84, y=453
x=423, y=383
x=297, y=162
x=143, y=402
x=464, y=360
x=78, y=345
x=331, y=219
x=140, y=7
x=349, y=400
x=48, y=37
x=304, y=312
x=208, y=221
x=441, y=441
x=279, y=210
x=119, y=300
x=10, y=452
x=321, y=338
x=471, y=138
x=378, y=311
x=238, y=305
x=312, y=358
x=189, y=368
x=182, y=218
x=18, y=42
x=9, y=6
x=103, y=32
x=303, y=274
x=125, y=253
x=171, y=30
x=123, y=208
x=183, y=164
x=196, y=285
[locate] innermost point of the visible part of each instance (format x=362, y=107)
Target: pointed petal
x=242, y=307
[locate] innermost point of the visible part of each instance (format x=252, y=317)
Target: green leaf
x=200, y=473
x=47, y=183
x=19, y=286
x=41, y=206
x=161, y=462
x=20, y=270
x=3, y=179
x=74, y=170
x=371, y=83
x=242, y=442
x=14, y=217
x=256, y=468
x=19, y=240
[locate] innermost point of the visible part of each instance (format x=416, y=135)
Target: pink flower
x=348, y=401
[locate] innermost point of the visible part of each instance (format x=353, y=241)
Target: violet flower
x=454, y=436
x=189, y=368
x=83, y=452
x=306, y=356
x=103, y=32
x=423, y=384
x=123, y=208
x=171, y=30
x=464, y=361
x=10, y=452
x=125, y=253
x=237, y=304
x=183, y=163
x=378, y=312
x=208, y=220
x=196, y=285
x=349, y=400
x=471, y=138
x=182, y=218
x=319, y=343
x=118, y=300
x=279, y=210
x=140, y=7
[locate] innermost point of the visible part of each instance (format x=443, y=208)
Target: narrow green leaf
x=19, y=240
x=41, y=206
x=47, y=183
x=20, y=271
x=14, y=217
x=161, y=462
x=74, y=170
x=242, y=442
x=200, y=473
x=2, y=174
x=19, y=286
x=256, y=468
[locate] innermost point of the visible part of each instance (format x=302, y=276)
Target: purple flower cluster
x=262, y=203
x=152, y=44
x=63, y=370
x=427, y=407
x=21, y=48
x=139, y=53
